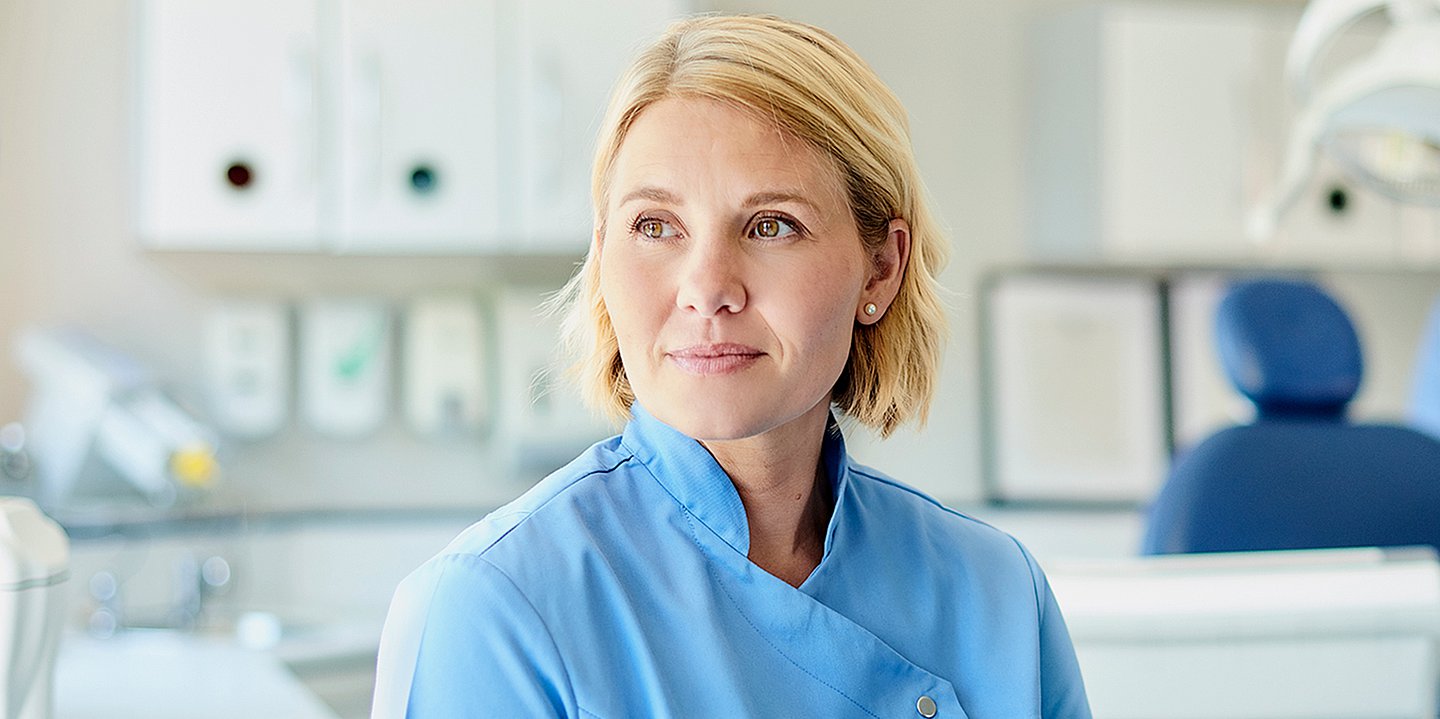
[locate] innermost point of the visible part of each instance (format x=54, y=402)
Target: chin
x=726, y=415
x=707, y=421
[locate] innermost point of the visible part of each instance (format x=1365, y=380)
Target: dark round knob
x=239, y=175
x=1338, y=200
x=423, y=179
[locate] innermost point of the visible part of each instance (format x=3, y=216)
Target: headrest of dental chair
x=1288, y=347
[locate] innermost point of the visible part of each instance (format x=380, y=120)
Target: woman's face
x=731, y=268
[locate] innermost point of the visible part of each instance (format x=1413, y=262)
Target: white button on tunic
x=926, y=706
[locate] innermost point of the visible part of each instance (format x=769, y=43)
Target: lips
x=715, y=359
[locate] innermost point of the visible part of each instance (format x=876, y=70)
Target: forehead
x=682, y=142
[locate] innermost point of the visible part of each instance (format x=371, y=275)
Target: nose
x=711, y=281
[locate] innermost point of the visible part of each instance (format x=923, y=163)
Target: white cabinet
x=1156, y=128
x=417, y=126
x=227, y=133
x=365, y=126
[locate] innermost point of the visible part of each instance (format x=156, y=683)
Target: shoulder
x=901, y=501
x=938, y=531
x=461, y=619
x=554, y=496
x=476, y=581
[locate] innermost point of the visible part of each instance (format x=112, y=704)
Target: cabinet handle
x=368, y=91
x=300, y=97
x=239, y=174
x=423, y=179
x=550, y=127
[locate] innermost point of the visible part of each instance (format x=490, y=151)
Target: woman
x=762, y=254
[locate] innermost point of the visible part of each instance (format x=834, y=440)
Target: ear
x=886, y=273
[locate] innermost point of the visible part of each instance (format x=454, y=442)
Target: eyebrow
x=769, y=197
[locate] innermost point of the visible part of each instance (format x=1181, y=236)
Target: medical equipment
x=34, y=561
x=345, y=366
x=92, y=401
x=1377, y=118
x=444, y=367
x=247, y=367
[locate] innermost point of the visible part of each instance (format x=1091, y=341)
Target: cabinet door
x=1181, y=96
x=568, y=58
x=416, y=130
x=1158, y=129
x=226, y=125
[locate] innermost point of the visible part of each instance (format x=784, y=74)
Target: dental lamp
x=1378, y=119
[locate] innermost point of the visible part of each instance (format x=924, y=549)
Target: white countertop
x=169, y=675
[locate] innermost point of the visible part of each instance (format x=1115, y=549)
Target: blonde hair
x=811, y=85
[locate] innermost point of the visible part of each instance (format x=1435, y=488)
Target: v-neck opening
x=695, y=479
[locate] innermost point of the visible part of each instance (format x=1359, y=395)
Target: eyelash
x=796, y=229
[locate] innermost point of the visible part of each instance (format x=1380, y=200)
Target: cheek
x=822, y=311
x=837, y=326
x=630, y=296
x=613, y=284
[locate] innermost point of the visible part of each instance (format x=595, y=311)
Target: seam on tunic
x=710, y=567
x=526, y=514
x=856, y=469
x=1034, y=581
x=548, y=634
x=1039, y=629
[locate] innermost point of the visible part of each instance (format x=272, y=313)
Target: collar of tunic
x=690, y=474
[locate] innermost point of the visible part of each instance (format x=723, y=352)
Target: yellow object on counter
x=194, y=465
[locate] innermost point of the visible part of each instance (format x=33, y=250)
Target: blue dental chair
x=1301, y=476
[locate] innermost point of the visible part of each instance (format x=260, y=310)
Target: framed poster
x=1076, y=381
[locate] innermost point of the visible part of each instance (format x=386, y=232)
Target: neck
x=785, y=491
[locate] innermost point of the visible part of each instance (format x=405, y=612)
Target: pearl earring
x=871, y=309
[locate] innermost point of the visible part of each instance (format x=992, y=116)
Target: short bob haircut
x=811, y=85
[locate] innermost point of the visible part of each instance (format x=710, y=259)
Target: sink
x=166, y=674
x=297, y=602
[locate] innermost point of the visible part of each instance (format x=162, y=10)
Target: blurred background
x=269, y=276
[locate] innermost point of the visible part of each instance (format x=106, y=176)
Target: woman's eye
x=771, y=228
x=654, y=229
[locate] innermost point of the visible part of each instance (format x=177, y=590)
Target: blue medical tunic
x=619, y=587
